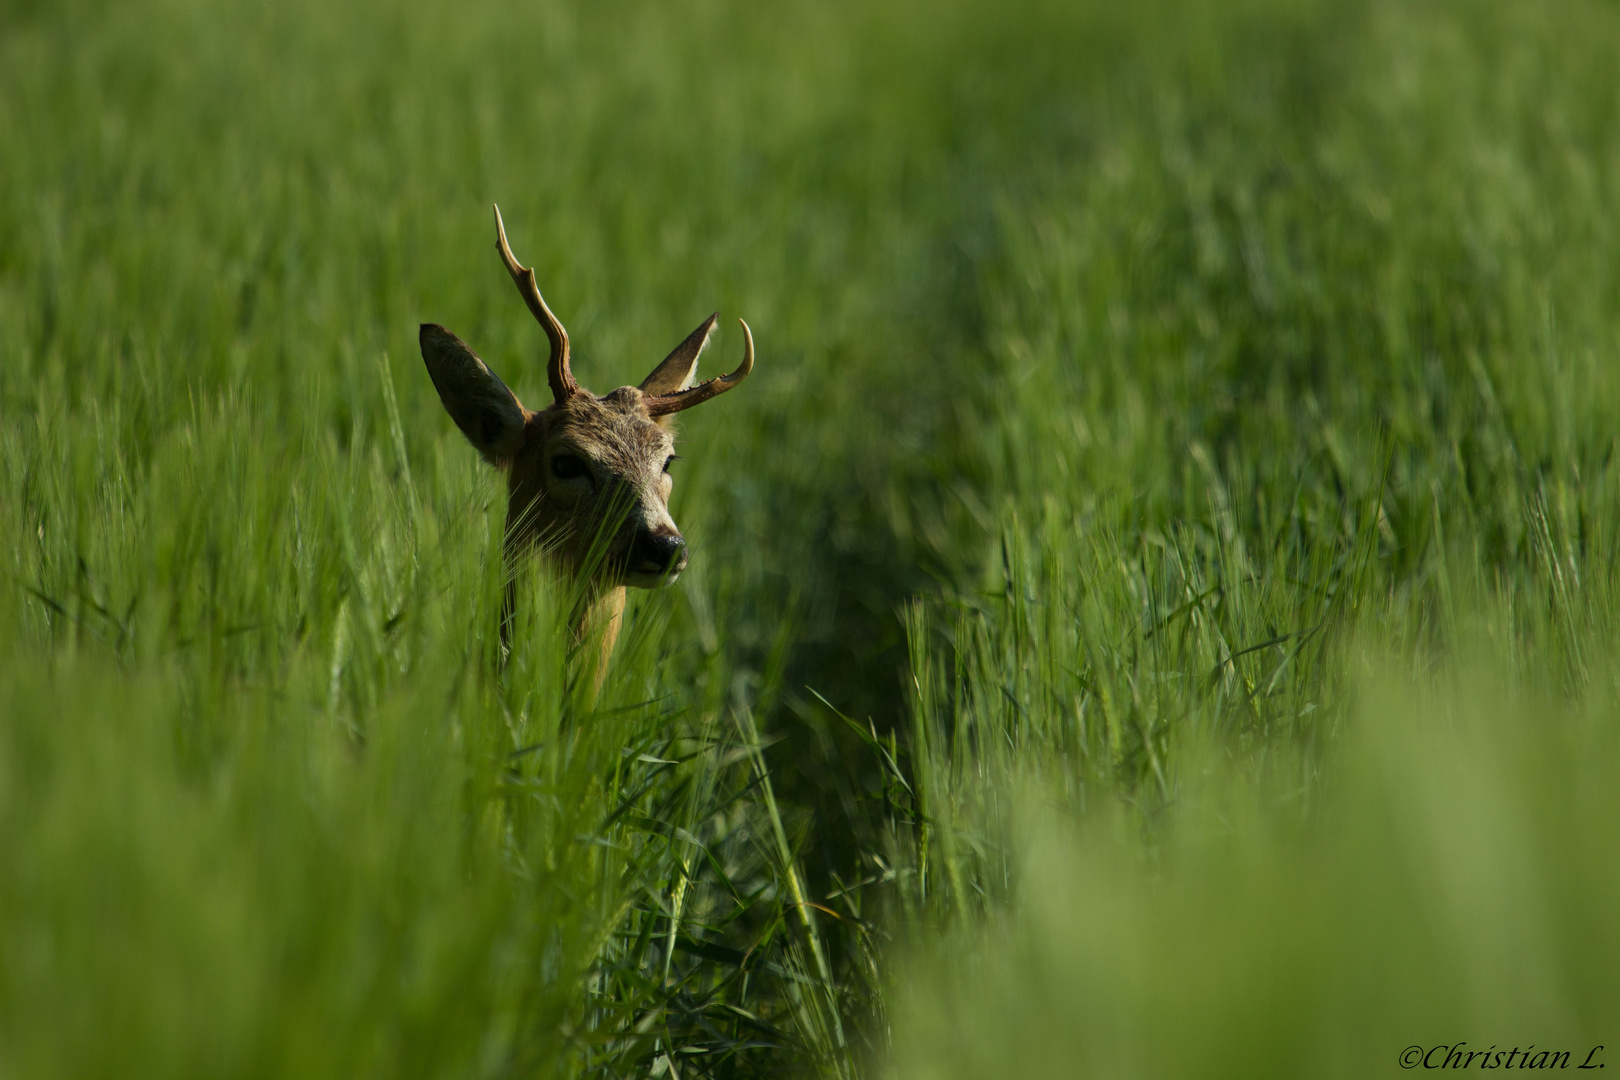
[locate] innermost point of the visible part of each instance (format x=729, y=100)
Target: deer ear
x=483, y=408
x=680, y=366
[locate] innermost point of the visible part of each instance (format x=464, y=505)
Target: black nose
x=656, y=554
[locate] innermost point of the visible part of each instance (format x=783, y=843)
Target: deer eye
x=567, y=467
x=672, y=459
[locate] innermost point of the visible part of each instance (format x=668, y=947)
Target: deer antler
x=558, y=374
x=664, y=404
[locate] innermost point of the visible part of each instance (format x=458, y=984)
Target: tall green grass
x=1274, y=735
x=233, y=504
x=1126, y=379
x=1321, y=345
x=1452, y=890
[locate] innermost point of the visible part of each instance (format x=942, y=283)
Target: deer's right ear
x=675, y=373
x=483, y=408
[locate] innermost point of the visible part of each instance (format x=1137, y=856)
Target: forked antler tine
x=558, y=374
x=664, y=404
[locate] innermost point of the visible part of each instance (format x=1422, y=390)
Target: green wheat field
x=1154, y=610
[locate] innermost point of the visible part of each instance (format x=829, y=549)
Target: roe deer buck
x=585, y=470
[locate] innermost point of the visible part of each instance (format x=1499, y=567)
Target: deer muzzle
x=656, y=555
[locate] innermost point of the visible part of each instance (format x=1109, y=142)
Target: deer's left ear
x=483, y=408
x=680, y=367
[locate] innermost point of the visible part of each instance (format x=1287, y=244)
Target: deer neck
x=600, y=616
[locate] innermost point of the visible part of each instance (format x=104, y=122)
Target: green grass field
x=1154, y=609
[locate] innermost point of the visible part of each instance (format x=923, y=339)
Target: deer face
x=587, y=475
x=596, y=470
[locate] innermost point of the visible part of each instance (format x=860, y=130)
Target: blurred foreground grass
x=1124, y=376
x=1455, y=887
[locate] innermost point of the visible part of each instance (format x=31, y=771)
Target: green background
x=1152, y=609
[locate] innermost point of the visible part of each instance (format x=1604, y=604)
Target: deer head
x=587, y=477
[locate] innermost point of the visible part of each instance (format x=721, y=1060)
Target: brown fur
x=626, y=452
x=587, y=477
x=621, y=489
